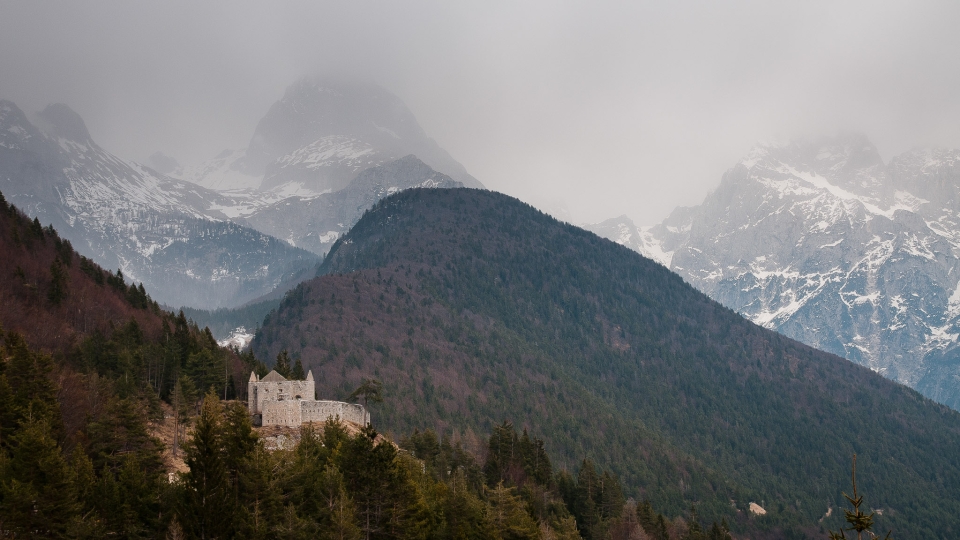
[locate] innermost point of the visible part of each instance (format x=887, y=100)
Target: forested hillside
x=90, y=366
x=85, y=363
x=473, y=307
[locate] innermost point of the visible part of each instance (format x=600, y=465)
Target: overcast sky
x=608, y=108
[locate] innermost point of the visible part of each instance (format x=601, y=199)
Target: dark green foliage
x=42, y=493
x=369, y=390
x=509, y=519
x=444, y=460
x=31, y=393
x=652, y=523
x=37, y=494
x=63, y=248
x=282, y=366
x=116, y=281
x=89, y=268
x=297, y=372
x=859, y=521
x=58, y=282
x=595, y=499
x=206, y=509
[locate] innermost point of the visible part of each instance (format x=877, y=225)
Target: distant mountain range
x=473, y=307
x=238, y=227
x=163, y=232
x=822, y=241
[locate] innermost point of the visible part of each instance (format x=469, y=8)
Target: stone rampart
x=320, y=411
x=282, y=413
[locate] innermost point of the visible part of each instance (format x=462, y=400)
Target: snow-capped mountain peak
x=822, y=241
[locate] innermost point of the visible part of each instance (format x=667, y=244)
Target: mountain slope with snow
x=319, y=136
x=825, y=243
x=315, y=223
x=164, y=232
x=303, y=177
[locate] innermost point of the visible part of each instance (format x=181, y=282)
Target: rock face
x=163, y=232
x=823, y=242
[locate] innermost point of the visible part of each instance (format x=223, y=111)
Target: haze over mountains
x=822, y=241
x=213, y=241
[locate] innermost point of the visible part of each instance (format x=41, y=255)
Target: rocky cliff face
x=825, y=243
x=164, y=232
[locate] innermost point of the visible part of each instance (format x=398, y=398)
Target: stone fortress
x=276, y=401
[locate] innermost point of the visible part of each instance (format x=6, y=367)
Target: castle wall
x=282, y=413
x=263, y=392
x=280, y=402
x=320, y=411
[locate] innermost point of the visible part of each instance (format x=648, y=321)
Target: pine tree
x=502, y=453
x=28, y=374
x=261, y=496
x=369, y=390
x=611, y=499
x=37, y=491
x=183, y=399
x=465, y=514
x=859, y=521
x=206, y=508
x=694, y=530
x=283, y=364
x=297, y=373
x=508, y=516
x=58, y=282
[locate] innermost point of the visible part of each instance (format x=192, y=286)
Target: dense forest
x=473, y=307
x=91, y=368
x=79, y=457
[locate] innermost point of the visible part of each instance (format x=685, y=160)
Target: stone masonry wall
x=282, y=413
x=320, y=411
x=264, y=392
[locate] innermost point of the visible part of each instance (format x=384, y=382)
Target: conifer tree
x=465, y=514
x=297, y=372
x=183, y=400
x=28, y=374
x=858, y=520
x=501, y=453
x=261, y=496
x=508, y=516
x=206, y=507
x=37, y=493
x=369, y=390
x=58, y=282
x=283, y=364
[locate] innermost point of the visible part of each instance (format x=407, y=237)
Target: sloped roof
x=273, y=376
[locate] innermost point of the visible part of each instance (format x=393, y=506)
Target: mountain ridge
x=468, y=303
x=127, y=216
x=822, y=241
